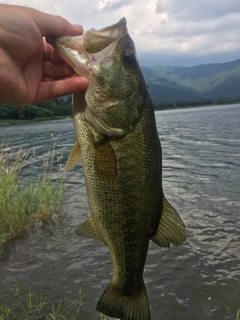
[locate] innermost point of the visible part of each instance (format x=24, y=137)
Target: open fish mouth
x=90, y=55
x=84, y=53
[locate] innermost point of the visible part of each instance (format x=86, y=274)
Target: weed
x=237, y=314
x=28, y=305
x=22, y=203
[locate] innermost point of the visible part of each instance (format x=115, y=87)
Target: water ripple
x=201, y=178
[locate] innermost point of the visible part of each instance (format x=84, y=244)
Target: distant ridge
x=197, y=83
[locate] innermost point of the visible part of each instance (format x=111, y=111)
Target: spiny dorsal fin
x=87, y=229
x=171, y=227
x=75, y=157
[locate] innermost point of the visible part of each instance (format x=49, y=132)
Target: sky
x=165, y=32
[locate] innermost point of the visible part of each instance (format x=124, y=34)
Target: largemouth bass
x=119, y=147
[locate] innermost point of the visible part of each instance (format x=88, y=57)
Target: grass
x=237, y=314
x=23, y=203
x=27, y=305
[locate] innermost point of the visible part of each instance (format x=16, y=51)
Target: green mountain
x=202, y=82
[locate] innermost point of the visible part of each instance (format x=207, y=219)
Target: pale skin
x=30, y=69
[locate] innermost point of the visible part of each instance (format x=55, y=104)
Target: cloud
x=198, y=10
x=114, y=5
x=162, y=29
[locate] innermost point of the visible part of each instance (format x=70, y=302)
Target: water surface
x=201, y=178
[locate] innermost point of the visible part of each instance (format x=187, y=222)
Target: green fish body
x=119, y=148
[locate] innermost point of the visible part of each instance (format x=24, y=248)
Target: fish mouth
x=83, y=53
x=71, y=49
x=86, y=54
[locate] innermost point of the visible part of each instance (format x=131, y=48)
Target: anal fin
x=171, y=227
x=87, y=229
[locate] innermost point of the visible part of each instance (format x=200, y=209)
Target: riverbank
x=12, y=122
x=160, y=107
x=174, y=106
x=24, y=303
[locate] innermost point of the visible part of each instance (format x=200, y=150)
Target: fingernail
x=78, y=27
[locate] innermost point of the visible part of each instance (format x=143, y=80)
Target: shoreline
x=11, y=122
x=195, y=106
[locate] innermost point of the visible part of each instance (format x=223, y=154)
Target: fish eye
x=129, y=58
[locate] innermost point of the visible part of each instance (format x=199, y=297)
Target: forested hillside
x=198, y=83
x=52, y=108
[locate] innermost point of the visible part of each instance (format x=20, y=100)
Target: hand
x=30, y=70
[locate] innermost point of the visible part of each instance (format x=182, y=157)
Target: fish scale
x=120, y=151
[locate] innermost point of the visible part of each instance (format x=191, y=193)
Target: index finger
x=51, y=25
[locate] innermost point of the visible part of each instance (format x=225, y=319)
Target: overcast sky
x=165, y=32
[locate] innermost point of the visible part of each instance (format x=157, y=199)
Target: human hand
x=30, y=69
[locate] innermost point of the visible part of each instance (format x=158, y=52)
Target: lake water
x=198, y=280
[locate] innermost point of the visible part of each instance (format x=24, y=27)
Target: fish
x=120, y=151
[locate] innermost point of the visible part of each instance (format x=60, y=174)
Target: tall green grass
x=28, y=305
x=23, y=203
x=237, y=317
x=25, y=304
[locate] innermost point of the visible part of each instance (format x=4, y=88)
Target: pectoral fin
x=87, y=229
x=171, y=227
x=105, y=163
x=75, y=157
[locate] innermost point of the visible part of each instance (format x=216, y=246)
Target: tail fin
x=115, y=304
